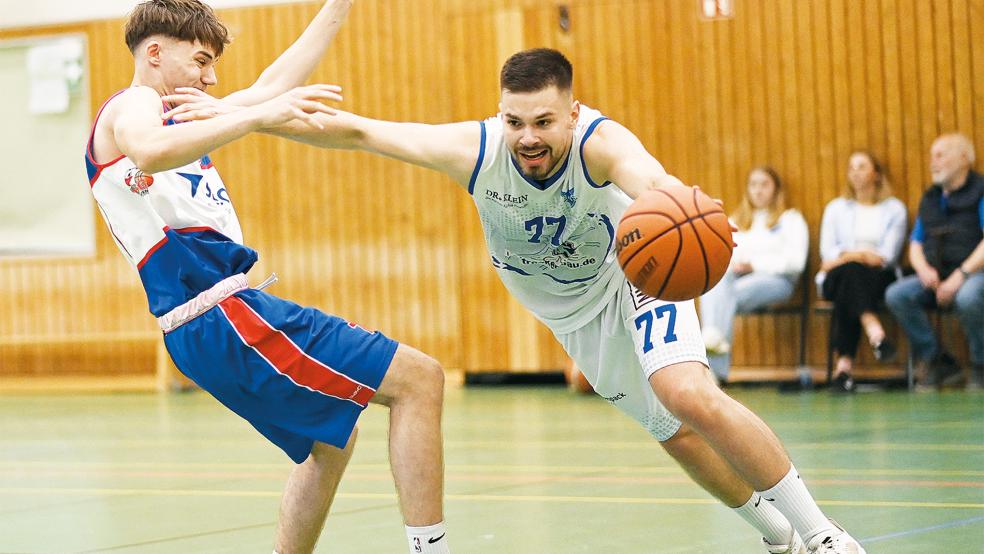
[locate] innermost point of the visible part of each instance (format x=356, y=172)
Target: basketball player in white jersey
x=299, y=376
x=550, y=178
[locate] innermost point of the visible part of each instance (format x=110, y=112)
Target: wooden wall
x=797, y=84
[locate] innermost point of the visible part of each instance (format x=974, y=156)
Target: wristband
x=963, y=272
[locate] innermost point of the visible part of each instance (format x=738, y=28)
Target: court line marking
x=485, y=497
x=920, y=530
x=381, y=474
x=497, y=444
x=552, y=469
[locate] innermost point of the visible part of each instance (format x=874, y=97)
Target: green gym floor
x=529, y=470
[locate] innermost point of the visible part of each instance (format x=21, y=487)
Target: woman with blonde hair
x=861, y=238
x=773, y=242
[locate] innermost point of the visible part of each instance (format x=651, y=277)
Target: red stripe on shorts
x=287, y=358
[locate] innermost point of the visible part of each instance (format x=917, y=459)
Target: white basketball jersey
x=177, y=227
x=551, y=241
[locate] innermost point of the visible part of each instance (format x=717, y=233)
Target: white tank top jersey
x=551, y=241
x=177, y=227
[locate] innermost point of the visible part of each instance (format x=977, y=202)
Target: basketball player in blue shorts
x=299, y=376
x=550, y=178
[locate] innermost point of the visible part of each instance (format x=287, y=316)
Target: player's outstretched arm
x=293, y=67
x=450, y=148
x=153, y=147
x=613, y=153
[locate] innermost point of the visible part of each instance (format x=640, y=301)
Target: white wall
x=21, y=13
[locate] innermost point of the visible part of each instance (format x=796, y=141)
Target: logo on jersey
x=138, y=181
x=639, y=298
x=507, y=200
x=614, y=398
x=569, y=197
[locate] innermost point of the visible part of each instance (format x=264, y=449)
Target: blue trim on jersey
x=188, y=263
x=90, y=168
x=545, y=184
x=478, y=162
x=584, y=166
x=500, y=265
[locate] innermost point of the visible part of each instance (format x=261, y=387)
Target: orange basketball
x=674, y=243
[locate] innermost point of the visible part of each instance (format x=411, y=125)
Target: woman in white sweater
x=773, y=242
x=861, y=238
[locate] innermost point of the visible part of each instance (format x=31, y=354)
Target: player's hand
x=929, y=277
x=947, y=290
x=192, y=104
x=301, y=103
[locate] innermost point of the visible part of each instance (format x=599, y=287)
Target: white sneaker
x=795, y=546
x=714, y=341
x=836, y=541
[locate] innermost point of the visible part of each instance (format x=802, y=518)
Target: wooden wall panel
x=794, y=84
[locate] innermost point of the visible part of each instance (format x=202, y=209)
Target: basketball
x=674, y=243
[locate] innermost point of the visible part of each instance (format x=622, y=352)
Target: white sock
x=428, y=540
x=791, y=498
x=774, y=526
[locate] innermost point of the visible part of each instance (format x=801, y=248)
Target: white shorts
x=632, y=338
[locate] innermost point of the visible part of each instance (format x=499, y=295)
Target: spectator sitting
x=772, y=247
x=861, y=237
x=947, y=252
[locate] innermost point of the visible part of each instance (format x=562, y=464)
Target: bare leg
x=872, y=327
x=307, y=498
x=414, y=391
x=707, y=468
x=740, y=437
x=845, y=364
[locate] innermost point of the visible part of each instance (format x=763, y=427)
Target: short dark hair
x=185, y=20
x=536, y=69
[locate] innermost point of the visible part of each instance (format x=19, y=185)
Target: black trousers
x=854, y=288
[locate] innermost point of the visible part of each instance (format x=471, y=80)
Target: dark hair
x=185, y=20
x=536, y=69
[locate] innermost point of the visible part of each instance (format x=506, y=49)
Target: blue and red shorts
x=296, y=374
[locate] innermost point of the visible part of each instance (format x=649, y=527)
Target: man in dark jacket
x=947, y=251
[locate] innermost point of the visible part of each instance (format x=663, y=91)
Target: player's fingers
x=192, y=91
x=322, y=95
x=181, y=98
x=175, y=111
x=311, y=121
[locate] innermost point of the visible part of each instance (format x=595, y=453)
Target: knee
x=895, y=296
x=969, y=301
x=413, y=377
x=696, y=401
x=427, y=376
x=424, y=377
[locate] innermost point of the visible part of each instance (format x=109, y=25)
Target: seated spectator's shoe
x=795, y=546
x=884, y=351
x=924, y=378
x=834, y=542
x=947, y=370
x=976, y=381
x=842, y=382
x=714, y=341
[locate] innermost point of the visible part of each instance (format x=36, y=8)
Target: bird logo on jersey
x=569, y=197
x=138, y=181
